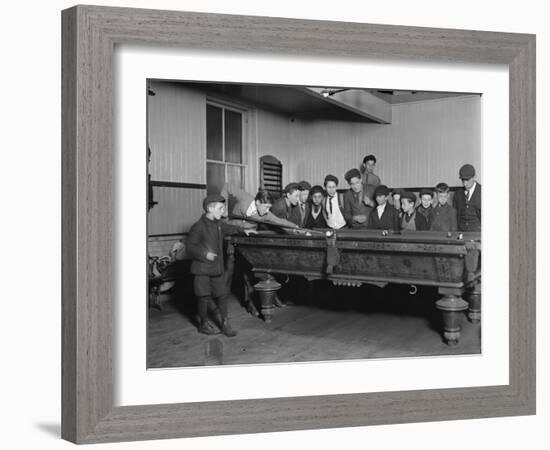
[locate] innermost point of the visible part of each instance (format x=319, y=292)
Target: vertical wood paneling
x=176, y=211
x=177, y=133
x=275, y=138
x=426, y=143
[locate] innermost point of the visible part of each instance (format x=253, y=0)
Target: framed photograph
x=294, y=140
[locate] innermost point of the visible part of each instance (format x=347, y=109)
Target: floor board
x=336, y=324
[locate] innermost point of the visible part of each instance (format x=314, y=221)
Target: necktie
x=330, y=203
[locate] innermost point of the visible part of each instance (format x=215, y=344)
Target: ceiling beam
x=356, y=100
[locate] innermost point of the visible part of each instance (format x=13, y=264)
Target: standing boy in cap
x=369, y=179
x=384, y=216
x=205, y=246
x=468, y=201
x=412, y=220
x=425, y=208
x=356, y=212
x=315, y=217
x=287, y=206
x=444, y=215
x=332, y=208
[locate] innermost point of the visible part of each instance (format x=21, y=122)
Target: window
x=224, y=147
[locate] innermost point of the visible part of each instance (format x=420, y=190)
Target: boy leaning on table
x=205, y=247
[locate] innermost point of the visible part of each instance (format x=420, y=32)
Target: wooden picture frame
x=89, y=36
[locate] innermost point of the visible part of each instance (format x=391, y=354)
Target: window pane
x=233, y=136
x=215, y=178
x=235, y=175
x=214, y=133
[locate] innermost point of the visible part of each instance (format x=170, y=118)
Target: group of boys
x=368, y=204
x=365, y=205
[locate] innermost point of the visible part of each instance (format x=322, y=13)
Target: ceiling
x=307, y=103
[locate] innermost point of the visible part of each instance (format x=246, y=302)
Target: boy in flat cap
x=369, y=179
x=334, y=211
x=315, y=217
x=468, y=201
x=356, y=211
x=287, y=206
x=256, y=207
x=412, y=220
x=205, y=246
x=396, y=201
x=425, y=208
x=384, y=216
x=444, y=215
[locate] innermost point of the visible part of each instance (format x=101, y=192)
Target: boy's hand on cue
x=211, y=256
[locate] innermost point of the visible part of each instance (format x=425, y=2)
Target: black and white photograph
x=311, y=223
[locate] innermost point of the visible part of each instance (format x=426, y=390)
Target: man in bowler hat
x=467, y=201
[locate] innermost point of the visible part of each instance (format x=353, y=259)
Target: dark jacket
x=289, y=212
x=388, y=221
x=444, y=218
x=420, y=222
x=303, y=218
x=207, y=236
x=354, y=206
x=468, y=212
x=318, y=222
x=427, y=213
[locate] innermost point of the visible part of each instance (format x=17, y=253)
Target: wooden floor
x=335, y=324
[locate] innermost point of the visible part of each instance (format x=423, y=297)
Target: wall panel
x=177, y=133
x=426, y=143
x=177, y=209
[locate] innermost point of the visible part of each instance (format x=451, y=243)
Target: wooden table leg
x=266, y=290
x=474, y=299
x=451, y=304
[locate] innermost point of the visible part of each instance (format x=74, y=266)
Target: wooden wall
x=426, y=143
x=177, y=133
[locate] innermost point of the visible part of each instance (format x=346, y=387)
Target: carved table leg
x=474, y=298
x=451, y=304
x=266, y=290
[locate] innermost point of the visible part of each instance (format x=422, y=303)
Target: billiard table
x=449, y=261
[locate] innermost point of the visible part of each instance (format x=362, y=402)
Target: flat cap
x=316, y=190
x=466, y=172
x=381, y=189
x=397, y=191
x=442, y=187
x=409, y=196
x=331, y=178
x=212, y=198
x=426, y=192
x=304, y=185
x=352, y=173
x=291, y=187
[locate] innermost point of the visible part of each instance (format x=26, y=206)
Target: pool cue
x=298, y=230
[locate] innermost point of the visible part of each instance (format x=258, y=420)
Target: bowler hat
x=466, y=172
x=212, y=198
